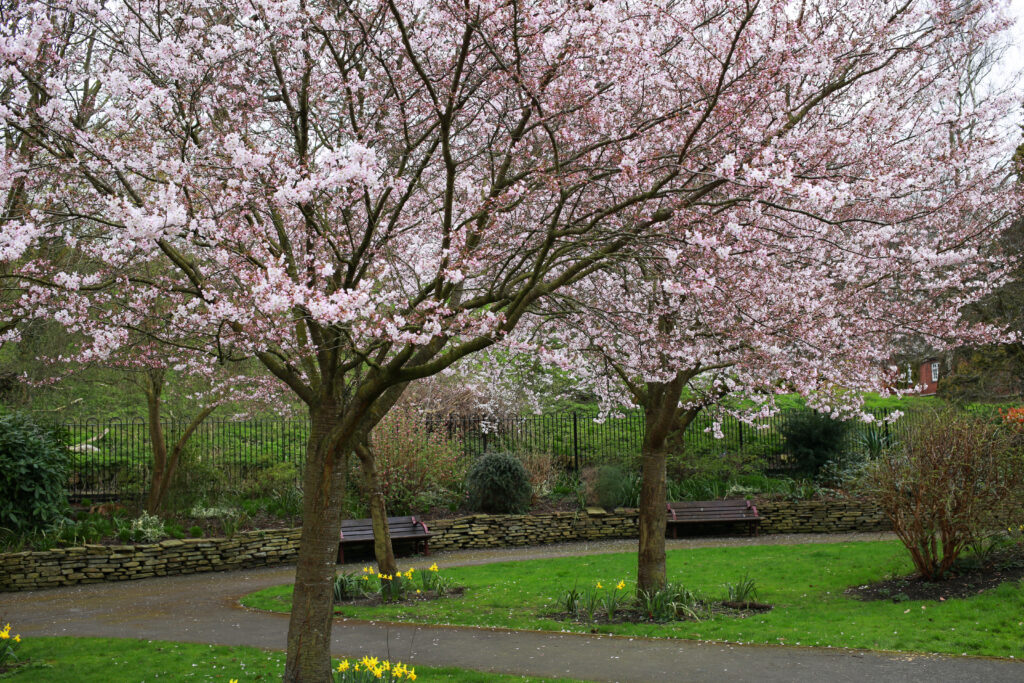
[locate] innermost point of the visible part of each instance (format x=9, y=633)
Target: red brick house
x=928, y=376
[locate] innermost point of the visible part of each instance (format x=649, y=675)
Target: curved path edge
x=203, y=608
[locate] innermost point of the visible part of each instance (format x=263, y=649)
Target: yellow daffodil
x=411, y=674
x=433, y=567
x=17, y=639
x=369, y=662
x=343, y=666
x=599, y=584
x=417, y=590
x=408, y=575
x=378, y=672
x=4, y=635
x=233, y=680
x=620, y=585
x=386, y=665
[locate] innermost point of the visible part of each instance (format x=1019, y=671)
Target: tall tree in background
x=361, y=194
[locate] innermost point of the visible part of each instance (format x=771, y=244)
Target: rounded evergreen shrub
x=813, y=439
x=33, y=474
x=498, y=483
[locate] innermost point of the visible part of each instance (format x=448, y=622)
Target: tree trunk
x=382, y=549
x=164, y=464
x=309, y=629
x=153, y=388
x=650, y=571
x=661, y=418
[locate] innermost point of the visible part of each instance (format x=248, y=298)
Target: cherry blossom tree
x=359, y=195
x=824, y=253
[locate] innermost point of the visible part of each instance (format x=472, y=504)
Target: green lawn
x=117, y=660
x=804, y=582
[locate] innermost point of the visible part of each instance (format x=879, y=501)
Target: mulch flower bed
x=628, y=615
x=411, y=598
x=966, y=580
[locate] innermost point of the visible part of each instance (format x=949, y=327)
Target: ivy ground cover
x=805, y=583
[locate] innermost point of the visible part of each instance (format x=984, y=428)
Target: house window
x=935, y=372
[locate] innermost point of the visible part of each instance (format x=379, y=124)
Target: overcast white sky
x=1014, y=60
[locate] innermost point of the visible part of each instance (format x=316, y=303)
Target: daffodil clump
x=370, y=669
x=584, y=603
x=390, y=587
x=8, y=646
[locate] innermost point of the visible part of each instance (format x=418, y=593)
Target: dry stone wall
x=501, y=531
x=820, y=516
x=92, y=563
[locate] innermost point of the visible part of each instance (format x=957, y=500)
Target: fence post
x=575, y=443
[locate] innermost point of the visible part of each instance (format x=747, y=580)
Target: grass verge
x=122, y=660
x=805, y=583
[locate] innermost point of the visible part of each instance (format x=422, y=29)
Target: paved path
x=203, y=608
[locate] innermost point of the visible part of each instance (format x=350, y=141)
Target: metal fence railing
x=113, y=457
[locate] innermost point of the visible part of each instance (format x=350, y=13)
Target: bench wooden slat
x=711, y=511
x=400, y=529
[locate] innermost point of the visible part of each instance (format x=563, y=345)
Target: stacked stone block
x=92, y=563
x=820, y=516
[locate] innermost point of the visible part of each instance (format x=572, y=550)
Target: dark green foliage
x=196, y=481
x=614, y=488
x=348, y=585
x=498, y=483
x=196, y=531
x=812, y=439
x=33, y=473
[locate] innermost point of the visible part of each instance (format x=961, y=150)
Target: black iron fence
x=114, y=457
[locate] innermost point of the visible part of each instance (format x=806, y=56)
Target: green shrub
x=279, y=478
x=711, y=461
x=614, y=488
x=33, y=475
x=498, y=483
x=196, y=531
x=813, y=439
x=195, y=481
x=148, y=528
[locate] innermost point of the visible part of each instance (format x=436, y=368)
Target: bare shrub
x=954, y=479
x=541, y=468
x=418, y=468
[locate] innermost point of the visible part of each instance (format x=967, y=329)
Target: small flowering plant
x=432, y=580
x=391, y=587
x=9, y=644
x=584, y=603
x=371, y=670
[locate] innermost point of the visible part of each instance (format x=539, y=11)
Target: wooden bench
x=401, y=528
x=704, y=511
